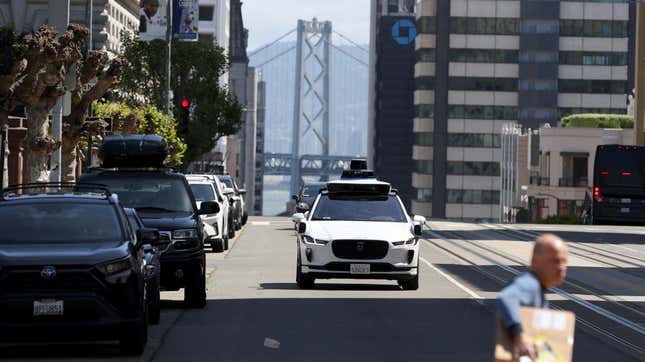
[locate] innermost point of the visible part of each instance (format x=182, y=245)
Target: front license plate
x=359, y=268
x=624, y=209
x=626, y=201
x=48, y=307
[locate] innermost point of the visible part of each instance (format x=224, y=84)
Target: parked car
x=152, y=268
x=71, y=267
x=240, y=212
x=205, y=188
x=163, y=199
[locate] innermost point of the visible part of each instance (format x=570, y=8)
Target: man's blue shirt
x=524, y=291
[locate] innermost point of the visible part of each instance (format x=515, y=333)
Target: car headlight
x=412, y=241
x=115, y=267
x=184, y=234
x=309, y=240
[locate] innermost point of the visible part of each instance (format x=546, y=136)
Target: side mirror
x=302, y=206
x=419, y=219
x=147, y=236
x=302, y=227
x=241, y=191
x=209, y=208
x=298, y=217
x=418, y=230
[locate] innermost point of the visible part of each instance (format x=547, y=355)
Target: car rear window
x=59, y=222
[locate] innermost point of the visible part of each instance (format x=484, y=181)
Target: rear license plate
x=48, y=307
x=359, y=268
x=624, y=209
x=626, y=201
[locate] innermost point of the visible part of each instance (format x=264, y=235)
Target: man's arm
x=509, y=309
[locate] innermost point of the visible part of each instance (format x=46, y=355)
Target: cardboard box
x=551, y=331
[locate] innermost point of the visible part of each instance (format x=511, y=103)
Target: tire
x=218, y=245
x=303, y=280
x=154, y=309
x=410, y=284
x=238, y=226
x=225, y=242
x=245, y=218
x=195, y=292
x=231, y=230
x=133, y=341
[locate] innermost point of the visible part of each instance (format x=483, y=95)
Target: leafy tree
x=145, y=120
x=593, y=120
x=197, y=68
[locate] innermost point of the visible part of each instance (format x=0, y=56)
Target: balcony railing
x=573, y=182
x=540, y=181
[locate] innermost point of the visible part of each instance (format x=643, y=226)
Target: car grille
x=67, y=279
x=360, y=249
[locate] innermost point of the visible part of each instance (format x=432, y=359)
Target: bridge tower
x=312, y=85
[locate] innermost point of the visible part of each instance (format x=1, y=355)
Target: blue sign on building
x=404, y=31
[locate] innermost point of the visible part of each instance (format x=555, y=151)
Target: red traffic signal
x=185, y=103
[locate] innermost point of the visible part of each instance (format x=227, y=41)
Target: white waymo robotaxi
x=358, y=228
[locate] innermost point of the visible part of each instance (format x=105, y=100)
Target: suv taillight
x=597, y=194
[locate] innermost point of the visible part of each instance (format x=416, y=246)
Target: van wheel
x=154, y=311
x=231, y=231
x=225, y=243
x=410, y=284
x=133, y=341
x=303, y=280
x=217, y=245
x=195, y=292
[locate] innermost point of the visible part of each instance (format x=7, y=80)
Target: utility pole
x=168, y=56
x=90, y=45
x=639, y=107
x=59, y=20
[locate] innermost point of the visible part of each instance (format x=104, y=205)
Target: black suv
x=70, y=266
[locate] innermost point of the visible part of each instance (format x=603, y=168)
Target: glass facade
x=472, y=168
x=483, y=84
x=482, y=112
x=424, y=166
x=424, y=83
x=427, y=25
x=483, y=56
x=592, y=86
x=424, y=195
x=594, y=28
x=426, y=55
x=593, y=58
x=424, y=110
x=473, y=197
x=495, y=26
x=423, y=139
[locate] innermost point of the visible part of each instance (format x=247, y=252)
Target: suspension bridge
x=316, y=108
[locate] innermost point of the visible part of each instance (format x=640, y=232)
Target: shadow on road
x=330, y=286
x=600, y=237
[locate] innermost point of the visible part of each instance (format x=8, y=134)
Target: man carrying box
x=548, y=269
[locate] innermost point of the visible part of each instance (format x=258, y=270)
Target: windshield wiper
x=155, y=209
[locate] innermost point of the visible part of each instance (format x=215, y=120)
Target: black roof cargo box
x=133, y=151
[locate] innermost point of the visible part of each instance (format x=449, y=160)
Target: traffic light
x=185, y=103
x=184, y=115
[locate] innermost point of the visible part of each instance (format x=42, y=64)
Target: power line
x=353, y=42
x=275, y=57
x=349, y=54
x=273, y=42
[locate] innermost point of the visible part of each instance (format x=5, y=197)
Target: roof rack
x=89, y=188
x=134, y=169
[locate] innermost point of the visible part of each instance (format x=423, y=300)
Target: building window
x=538, y=57
x=482, y=112
x=497, y=26
x=483, y=84
x=483, y=56
x=424, y=139
x=538, y=85
x=468, y=168
x=592, y=86
x=424, y=110
x=594, y=28
x=424, y=195
x=206, y=13
x=423, y=166
x=427, y=25
x=539, y=26
x=473, y=197
x=593, y=58
x=427, y=55
x=424, y=83
x=474, y=140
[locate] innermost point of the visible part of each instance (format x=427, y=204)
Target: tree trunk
x=70, y=159
x=39, y=144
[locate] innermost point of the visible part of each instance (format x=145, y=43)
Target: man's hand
x=523, y=346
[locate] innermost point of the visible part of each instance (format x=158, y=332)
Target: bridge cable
x=272, y=43
x=348, y=54
x=275, y=57
x=351, y=41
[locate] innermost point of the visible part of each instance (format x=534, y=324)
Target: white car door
x=223, y=204
x=205, y=191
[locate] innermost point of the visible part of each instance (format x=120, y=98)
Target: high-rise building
x=484, y=63
x=391, y=102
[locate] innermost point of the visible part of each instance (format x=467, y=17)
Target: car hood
x=61, y=253
x=367, y=230
x=166, y=222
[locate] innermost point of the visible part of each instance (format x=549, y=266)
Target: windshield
x=203, y=192
x=149, y=194
x=227, y=181
x=59, y=223
x=359, y=208
x=311, y=190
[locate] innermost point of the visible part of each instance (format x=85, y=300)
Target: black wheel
x=195, y=291
x=303, y=280
x=218, y=245
x=238, y=226
x=245, y=218
x=231, y=230
x=225, y=242
x=133, y=341
x=410, y=284
x=154, y=308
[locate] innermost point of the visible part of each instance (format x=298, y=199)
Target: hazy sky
x=269, y=19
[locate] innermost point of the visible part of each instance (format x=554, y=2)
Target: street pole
x=639, y=107
x=4, y=133
x=168, y=56
x=90, y=45
x=59, y=20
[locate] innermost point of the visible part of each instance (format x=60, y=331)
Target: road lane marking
x=468, y=291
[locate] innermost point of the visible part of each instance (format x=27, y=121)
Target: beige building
x=564, y=174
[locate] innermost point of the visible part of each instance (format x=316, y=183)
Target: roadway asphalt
x=256, y=313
